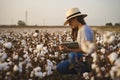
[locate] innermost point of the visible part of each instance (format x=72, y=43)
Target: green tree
x=109, y=24
x=21, y=23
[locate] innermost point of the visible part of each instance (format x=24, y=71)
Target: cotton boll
x=99, y=75
x=31, y=74
x=6, y=67
x=42, y=53
x=94, y=56
x=51, y=56
x=94, y=66
x=105, y=39
x=92, y=78
x=107, y=75
x=118, y=73
x=102, y=50
x=92, y=46
x=63, y=56
x=118, y=44
x=25, y=55
x=37, y=69
x=69, y=38
x=30, y=49
x=20, y=66
x=108, y=33
x=23, y=42
x=35, y=34
x=86, y=76
x=111, y=39
x=112, y=57
x=10, y=62
x=49, y=63
x=102, y=57
x=2, y=65
x=4, y=56
x=97, y=70
x=8, y=73
x=1, y=42
x=39, y=74
x=39, y=47
x=44, y=74
x=42, y=58
x=113, y=71
x=28, y=65
x=56, y=54
x=49, y=72
x=108, y=37
x=15, y=68
x=8, y=45
x=117, y=62
x=102, y=68
x=15, y=57
x=98, y=38
x=45, y=49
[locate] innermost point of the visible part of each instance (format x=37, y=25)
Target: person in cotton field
x=81, y=33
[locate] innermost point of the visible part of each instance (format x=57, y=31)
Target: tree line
x=110, y=24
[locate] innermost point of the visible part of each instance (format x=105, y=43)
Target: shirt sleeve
x=88, y=33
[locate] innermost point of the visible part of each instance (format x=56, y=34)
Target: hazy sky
x=52, y=12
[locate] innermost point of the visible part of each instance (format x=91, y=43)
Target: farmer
x=81, y=33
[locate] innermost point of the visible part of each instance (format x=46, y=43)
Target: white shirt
x=85, y=35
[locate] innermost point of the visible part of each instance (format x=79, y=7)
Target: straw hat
x=73, y=12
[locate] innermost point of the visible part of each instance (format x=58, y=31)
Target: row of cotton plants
x=34, y=56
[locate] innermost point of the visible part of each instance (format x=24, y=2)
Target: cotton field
x=34, y=56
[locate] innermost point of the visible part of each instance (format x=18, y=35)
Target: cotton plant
x=32, y=54
x=86, y=76
x=112, y=57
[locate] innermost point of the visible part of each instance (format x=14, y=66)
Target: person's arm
x=64, y=48
x=74, y=50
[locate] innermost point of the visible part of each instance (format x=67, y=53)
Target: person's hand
x=63, y=48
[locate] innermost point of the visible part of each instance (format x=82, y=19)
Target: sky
x=53, y=12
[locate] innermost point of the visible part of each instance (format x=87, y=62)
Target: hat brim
x=66, y=22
